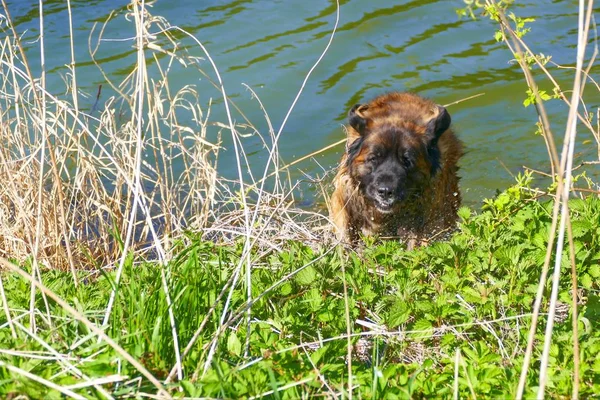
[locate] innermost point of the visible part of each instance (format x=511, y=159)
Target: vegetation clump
x=449, y=318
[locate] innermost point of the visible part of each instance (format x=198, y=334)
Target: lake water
x=380, y=45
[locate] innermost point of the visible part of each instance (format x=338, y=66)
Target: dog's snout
x=385, y=192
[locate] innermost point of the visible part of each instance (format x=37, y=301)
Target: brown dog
x=398, y=174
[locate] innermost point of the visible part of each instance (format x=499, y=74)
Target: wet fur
x=400, y=143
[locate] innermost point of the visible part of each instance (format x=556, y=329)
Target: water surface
x=419, y=45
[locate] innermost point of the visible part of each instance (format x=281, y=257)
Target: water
x=418, y=45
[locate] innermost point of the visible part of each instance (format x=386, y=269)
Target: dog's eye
x=408, y=161
x=373, y=157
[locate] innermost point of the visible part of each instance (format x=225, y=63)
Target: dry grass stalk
x=100, y=189
x=568, y=154
x=105, y=181
x=92, y=327
x=563, y=172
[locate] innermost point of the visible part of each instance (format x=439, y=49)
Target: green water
x=418, y=45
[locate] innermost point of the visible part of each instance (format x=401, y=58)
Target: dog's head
x=394, y=152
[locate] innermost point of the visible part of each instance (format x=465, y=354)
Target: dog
x=398, y=175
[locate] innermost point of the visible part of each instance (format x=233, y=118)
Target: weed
x=412, y=311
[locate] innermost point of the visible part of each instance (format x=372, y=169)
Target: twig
x=319, y=374
x=465, y=99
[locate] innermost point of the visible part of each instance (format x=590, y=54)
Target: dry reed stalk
x=107, y=187
x=348, y=327
x=249, y=224
x=113, y=200
x=96, y=165
x=563, y=175
x=568, y=154
x=554, y=157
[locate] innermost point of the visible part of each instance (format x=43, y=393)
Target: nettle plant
x=521, y=26
x=450, y=318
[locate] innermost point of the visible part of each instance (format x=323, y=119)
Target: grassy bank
x=448, y=319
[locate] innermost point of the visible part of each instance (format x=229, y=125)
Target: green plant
x=411, y=313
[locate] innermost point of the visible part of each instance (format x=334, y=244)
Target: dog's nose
x=385, y=192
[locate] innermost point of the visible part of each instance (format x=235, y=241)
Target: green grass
x=470, y=295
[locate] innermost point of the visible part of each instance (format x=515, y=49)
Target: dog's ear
x=437, y=125
x=356, y=118
x=353, y=149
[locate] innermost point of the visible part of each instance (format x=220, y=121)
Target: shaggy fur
x=398, y=174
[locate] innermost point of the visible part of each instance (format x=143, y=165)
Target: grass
x=459, y=307
x=124, y=277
